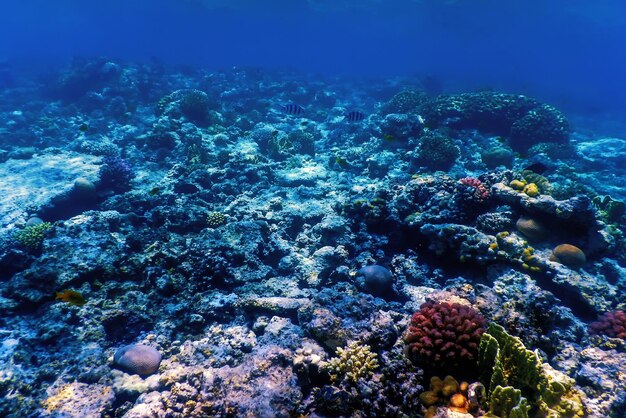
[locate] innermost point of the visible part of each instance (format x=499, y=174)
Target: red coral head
x=481, y=193
x=445, y=335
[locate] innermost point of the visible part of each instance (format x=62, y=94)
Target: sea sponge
x=137, y=359
x=445, y=336
x=531, y=228
x=611, y=324
x=569, y=255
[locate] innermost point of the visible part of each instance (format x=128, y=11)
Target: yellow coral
x=55, y=402
x=517, y=184
x=530, y=261
x=531, y=190
x=354, y=362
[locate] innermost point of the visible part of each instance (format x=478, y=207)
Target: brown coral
x=531, y=228
x=569, y=255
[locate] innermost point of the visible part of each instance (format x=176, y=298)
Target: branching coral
x=352, y=363
x=31, y=237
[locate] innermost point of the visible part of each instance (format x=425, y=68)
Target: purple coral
x=612, y=324
x=116, y=173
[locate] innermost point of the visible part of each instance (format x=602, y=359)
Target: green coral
x=352, y=363
x=215, y=219
x=509, y=367
x=508, y=402
x=542, y=183
x=31, y=237
x=609, y=209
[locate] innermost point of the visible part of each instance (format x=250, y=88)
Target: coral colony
x=255, y=243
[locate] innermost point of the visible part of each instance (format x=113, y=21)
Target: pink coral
x=612, y=324
x=481, y=193
x=445, y=335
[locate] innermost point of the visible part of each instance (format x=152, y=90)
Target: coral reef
x=611, y=324
x=445, y=336
x=32, y=236
x=137, y=359
x=353, y=362
x=522, y=119
x=569, y=255
x=282, y=264
x=508, y=367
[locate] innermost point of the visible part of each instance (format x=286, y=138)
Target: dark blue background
x=553, y=49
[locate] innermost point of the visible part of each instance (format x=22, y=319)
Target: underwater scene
x=313, y=208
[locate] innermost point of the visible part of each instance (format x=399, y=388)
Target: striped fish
x=355, y=116
x=292, y=109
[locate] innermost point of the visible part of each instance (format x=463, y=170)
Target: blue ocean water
x=569, y=53
x=312, y=208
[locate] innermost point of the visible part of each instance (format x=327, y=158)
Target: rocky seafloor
x=249, y=243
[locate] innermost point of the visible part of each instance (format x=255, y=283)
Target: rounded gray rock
x=137, y=359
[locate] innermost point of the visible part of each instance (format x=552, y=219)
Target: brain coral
x=445, y=335
x=531, y=228
x=137, y=359
x=612, y=324
x=569, y=255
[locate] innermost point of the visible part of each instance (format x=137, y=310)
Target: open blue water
x=567, y=52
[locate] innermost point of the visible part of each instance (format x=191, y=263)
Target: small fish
x=389, y=137
x=154, y=191
x=355, y=116
x=538, y=168
x=83, y=127
x=71, y=296
x=292, y=109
